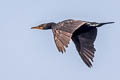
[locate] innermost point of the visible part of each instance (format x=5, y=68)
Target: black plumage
x=83, y=34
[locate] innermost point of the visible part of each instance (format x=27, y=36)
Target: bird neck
x=49, y=25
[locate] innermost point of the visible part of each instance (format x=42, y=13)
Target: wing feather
x=59, y=45
x=61, y=39
x=63, y=32
x=85, y=45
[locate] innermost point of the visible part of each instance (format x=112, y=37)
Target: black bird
x=83, y=34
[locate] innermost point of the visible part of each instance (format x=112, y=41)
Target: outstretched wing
x=62, y=39
x=63, y=33
x=85, y=45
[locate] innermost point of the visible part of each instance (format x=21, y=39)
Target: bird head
x=44, y=26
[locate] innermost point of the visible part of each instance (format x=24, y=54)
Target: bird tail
x=101, y=24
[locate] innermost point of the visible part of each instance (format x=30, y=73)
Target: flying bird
x=82, y=33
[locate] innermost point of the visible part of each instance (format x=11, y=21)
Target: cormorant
x=82, y=33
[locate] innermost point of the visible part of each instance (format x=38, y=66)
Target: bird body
x=82, y=33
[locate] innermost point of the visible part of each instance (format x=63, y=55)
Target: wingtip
x=90, y=66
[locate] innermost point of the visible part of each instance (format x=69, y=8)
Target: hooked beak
x=41, y=28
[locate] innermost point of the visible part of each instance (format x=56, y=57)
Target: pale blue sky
x=27, y=54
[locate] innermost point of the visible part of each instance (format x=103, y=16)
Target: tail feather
x=107, y=23
x=95, y=24
x=101, y=24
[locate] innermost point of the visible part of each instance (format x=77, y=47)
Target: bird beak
x=41, y=28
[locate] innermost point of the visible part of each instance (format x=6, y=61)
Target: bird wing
x=62, y=39
x=84, y=43
x=63, y=33
x=70, y=25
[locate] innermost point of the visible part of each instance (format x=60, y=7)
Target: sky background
x=27, y=54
